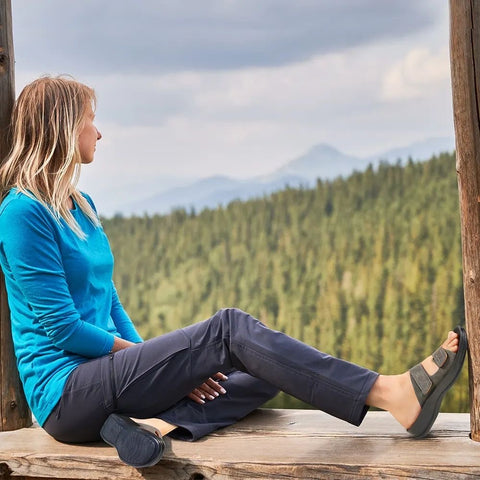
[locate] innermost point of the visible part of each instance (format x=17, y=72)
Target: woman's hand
x=209, y=390
x=120, y=344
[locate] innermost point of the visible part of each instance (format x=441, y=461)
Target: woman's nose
x=99, y=135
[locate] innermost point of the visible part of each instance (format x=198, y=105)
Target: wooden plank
x=14, y=411
x=465, y=68
x=289, y=444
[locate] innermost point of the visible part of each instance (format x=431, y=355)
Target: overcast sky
x=240, y=87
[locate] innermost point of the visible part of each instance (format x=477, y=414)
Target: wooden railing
x=465, y=67
x=14, y=412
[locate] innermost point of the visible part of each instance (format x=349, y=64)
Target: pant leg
x=330, y=384
x=150, y=378
x=153, y=372
x=85, y=404
x=244, y=394
x=156, y=375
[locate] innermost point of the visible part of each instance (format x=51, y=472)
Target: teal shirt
x=64, y=306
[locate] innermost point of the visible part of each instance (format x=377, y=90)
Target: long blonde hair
x=44, y=160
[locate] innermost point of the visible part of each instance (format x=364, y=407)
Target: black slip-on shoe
x=137, y=444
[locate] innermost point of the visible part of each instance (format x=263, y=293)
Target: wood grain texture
x=7, y=80
x=465, y=69
x=268, y=444
x=14, y=412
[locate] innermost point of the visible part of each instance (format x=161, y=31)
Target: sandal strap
x=440, y=373
x=421, y=381
x=440, y=356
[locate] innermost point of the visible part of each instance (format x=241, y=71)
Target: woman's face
x=88, y=137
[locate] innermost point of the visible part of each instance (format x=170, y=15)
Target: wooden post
x=14, y=411
x=465, y=68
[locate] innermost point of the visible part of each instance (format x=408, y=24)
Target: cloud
x=152, y=36
x=313, y=90
x=251, y=120
x=240, y=87
x=417, y=75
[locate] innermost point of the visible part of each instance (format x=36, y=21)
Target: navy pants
x=153, y=379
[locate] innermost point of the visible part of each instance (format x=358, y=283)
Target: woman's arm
x=33, y=262
x=120, y=344
x=122, y=321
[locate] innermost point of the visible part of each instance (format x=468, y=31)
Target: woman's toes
x=451, y=343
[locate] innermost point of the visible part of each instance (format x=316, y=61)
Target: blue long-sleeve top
x=63, y=303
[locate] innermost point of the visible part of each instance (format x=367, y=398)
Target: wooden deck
x=269, y=444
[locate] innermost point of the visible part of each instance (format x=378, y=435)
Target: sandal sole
x=132, y=441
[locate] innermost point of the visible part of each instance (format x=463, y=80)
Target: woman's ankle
x=382, y=392
x=395, y=394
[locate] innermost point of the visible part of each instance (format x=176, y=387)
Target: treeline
x=367, y=268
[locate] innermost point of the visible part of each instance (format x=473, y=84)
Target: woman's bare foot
x=395, y=393
x=163, y=427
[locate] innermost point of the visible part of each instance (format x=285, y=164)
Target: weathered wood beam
x=14, y=412
x=465, y=69
x=268, y=444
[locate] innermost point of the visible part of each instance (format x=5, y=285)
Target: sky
x=191, y=88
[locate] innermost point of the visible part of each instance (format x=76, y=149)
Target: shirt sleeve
x=122, y=321
x=34, y=261
x=124, y=324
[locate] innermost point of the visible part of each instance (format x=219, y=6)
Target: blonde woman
x=85, y=370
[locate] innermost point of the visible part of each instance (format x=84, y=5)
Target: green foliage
x=367, y=268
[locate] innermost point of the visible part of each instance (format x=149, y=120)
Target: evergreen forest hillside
x=367, y=268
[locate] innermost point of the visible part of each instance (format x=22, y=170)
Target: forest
x=367, y=267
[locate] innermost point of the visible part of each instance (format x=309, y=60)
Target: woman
x=84, y=368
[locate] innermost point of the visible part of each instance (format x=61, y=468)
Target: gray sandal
x=430, y=389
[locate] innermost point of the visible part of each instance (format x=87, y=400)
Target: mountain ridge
x=321, y=161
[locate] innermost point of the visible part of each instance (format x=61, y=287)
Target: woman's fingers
x=209, y=390
x=197, y=396
x=209, y=393
x=215, y=386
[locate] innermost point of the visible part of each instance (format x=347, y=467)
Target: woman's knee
x=235, y=316
x=236, y=323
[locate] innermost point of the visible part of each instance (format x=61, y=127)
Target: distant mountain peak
x=323, y=148
x=320, y=161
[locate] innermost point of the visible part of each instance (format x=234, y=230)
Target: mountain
x=210, y=192
x=421, y=150
x=321, y=161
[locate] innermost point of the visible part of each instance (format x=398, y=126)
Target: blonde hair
x=44, y=160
